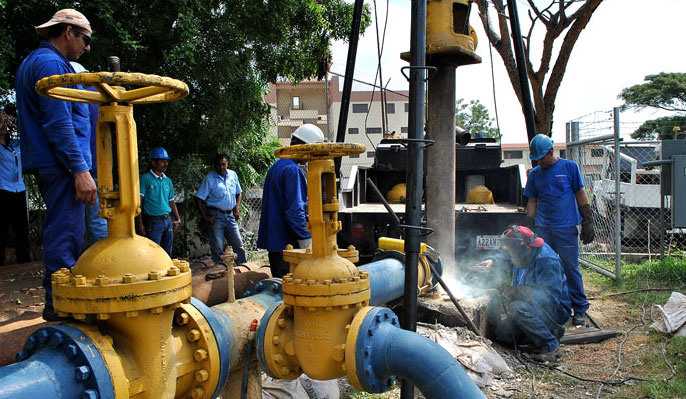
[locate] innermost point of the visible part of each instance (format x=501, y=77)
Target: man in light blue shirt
x=12, y=190
x=219, y=199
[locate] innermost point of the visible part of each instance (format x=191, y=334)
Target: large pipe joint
x=63, y=361
x=363, y=343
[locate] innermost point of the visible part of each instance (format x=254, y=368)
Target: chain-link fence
x=635, y=223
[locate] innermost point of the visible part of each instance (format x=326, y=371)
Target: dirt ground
x=21, y=292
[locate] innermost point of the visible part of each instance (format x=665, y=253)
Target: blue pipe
x=57, y=362
x=383, y=350
x=386, y=279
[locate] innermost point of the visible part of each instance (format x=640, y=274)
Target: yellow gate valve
x=124, y=283
x=324, y=290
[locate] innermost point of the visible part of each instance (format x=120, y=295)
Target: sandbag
x=672, y=316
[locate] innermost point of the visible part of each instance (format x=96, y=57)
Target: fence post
x=618, y=201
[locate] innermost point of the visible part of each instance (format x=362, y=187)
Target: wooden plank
x=587, y=337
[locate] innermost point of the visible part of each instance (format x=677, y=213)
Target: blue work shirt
x=156, y=191
x=53, y=132
x=10, y=168
x=220, y=191
x=546, y=275
x=284, y=207
x=555, y=189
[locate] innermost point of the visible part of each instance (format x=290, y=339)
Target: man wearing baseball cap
x=55, y=142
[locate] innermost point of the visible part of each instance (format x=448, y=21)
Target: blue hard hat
x=158, y=153
x=540, y=145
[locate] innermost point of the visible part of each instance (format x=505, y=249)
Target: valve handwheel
x=157, y=89
x=309, y=152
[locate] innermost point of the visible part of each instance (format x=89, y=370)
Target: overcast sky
x=624, y=41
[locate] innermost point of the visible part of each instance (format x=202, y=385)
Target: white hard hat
x=309, y=134
x=78, y=67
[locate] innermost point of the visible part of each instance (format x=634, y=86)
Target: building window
x=563, y=153
x=407, y=107
x=390, y=108
x=597, y=152
x=355, y=156
x=403, y=129
x=370, y=154
x=373, y=130
x=518, y=154
x=359, y=108
x=296, y=102
x=353, y=130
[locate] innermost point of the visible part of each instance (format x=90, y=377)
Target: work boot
x=579, y=318
x=547, y=357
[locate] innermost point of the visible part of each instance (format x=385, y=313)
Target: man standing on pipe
x=284, y=204
x=534, y=310
x=55, y=143
x=557, y=204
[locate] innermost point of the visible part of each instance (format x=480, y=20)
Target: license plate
x=487, y=242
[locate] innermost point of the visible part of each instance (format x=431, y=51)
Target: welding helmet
x=158, y=153
x=516, y=234
x=540, y=145
x=309, y=134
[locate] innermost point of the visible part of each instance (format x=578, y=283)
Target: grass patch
x=655, y=368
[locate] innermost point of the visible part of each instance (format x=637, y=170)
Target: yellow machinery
x=324, y=289
x=126, y=285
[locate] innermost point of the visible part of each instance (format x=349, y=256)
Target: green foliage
x=664, y=128
x=669, y=272
x=226, y=52
x=665, y=91
x=655, y=365
x=475, y=118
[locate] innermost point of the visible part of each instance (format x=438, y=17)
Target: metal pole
x=527, y=106
x=415, y=173
x=348, y=80
x=440, y=174
x=618, y=200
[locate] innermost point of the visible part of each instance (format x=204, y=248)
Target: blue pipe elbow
x=57, y=362
x=383, y=350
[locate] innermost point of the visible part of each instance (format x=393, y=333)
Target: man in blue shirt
x=536, y=306
x=12, y=190
x=159, y=216
x=284, y=205
x=55, y=143
x=556, y=204
x=219, y=200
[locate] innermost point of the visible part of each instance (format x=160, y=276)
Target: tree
x=664, y=91
x=474, y=117
x=561, y=19
x=225, y=51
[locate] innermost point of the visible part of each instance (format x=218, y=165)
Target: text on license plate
x=487, y=242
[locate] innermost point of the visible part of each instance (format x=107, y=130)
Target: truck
x=478, y=225
x=639, y=190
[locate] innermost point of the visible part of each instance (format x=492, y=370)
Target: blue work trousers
x=225, y=226
x=526, y=324
x=565, y=241
x=161, y=231
x=63, y=226
x=96, y=227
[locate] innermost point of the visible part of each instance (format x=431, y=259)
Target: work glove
x=530, y=223
x=305, y=243
x=587, y=224
x=519, y=293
